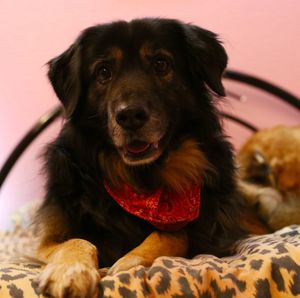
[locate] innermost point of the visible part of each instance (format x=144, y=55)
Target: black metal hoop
x=29, y=137
x=263, y=85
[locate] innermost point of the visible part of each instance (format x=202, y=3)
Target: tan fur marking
x=147, y=51
x=71, y=270
x=74, y=250
x=184, y=166
x=156, y=245
x=162, y=244
x=71, y=266
x=117, y=53
x=113, y=53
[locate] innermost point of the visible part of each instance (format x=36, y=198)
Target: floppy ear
x=64, y=75
x=207, y=57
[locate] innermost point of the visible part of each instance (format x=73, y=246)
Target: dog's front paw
x=268, y=201
x=69, y=280
x=126, y=263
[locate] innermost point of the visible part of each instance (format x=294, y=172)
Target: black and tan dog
x=141, y=168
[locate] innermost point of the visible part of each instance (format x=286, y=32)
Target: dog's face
x=139, y=82
x=136, y=90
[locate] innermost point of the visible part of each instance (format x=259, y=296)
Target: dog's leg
x=71, y=270
x=156, y=245
x=266, y=199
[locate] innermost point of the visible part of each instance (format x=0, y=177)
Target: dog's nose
x=132, y=117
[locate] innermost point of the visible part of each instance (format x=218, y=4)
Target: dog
x=269, y=170
x=141, y=167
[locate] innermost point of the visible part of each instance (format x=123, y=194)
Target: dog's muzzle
x=137, y=132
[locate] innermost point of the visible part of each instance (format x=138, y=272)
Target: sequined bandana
x=166, y=210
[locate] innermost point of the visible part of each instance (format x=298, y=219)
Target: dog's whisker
x=94, y=116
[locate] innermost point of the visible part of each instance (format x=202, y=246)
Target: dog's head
x=139, y=83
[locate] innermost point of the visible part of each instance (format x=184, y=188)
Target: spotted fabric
x=17, y=242
x=262, y=267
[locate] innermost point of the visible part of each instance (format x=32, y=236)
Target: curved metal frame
x=240, y=121
x=263, y=85
x=29, y=137
x=50, y=117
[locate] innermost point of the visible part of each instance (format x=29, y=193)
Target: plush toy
x=269, y=172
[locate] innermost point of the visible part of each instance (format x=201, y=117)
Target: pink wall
x=261, y=37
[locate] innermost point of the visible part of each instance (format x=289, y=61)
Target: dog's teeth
x=155, y=145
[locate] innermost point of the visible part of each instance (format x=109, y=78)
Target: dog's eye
x=160, y=65
x=104, y=74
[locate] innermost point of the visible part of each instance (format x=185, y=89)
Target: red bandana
x=166, y=210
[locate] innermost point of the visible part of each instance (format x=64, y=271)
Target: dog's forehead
x=138, y=36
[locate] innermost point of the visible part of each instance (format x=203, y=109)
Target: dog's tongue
x=137, y=147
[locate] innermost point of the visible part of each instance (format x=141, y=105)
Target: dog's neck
x=182, y=167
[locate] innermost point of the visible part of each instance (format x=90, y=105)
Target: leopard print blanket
x=263, y=266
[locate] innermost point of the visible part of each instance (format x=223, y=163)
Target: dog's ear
x=64, y=75
x=207, y=57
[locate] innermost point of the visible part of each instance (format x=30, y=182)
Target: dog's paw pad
x=69, y=280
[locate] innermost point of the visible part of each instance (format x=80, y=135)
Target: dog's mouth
x=139, y=152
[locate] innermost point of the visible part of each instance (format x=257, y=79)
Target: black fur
x=75, y=179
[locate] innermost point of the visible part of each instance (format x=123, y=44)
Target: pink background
x=261, y=38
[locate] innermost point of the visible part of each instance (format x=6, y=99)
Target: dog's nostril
x=141, y=115
x=132, y=117
x=122, y=118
